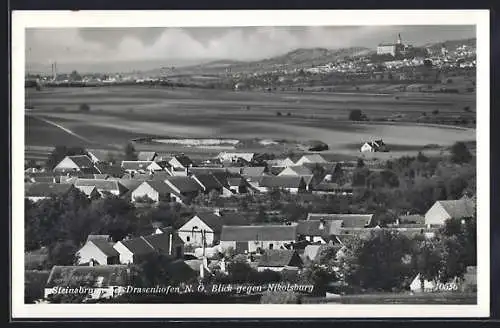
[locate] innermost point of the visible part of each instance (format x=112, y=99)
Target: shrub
x=278, y=114
x=357, y=115
x=84, y=107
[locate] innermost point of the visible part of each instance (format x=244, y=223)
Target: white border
x=31, y=19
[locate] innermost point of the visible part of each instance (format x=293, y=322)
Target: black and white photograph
x=317, y=163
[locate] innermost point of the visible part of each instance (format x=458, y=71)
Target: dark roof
x=279, y=258
x=147, y=244
x=138, y=246
x=213, y=221
x=263, y=232
x=461, y=208
x=348, y=220
x=233, y=219
x=184, y=184
x=130, y=184
x=283, y=181
x=114, y=275
x=47, y=189
x=100, y=184
x=411, y=219
x=312, y=228
x=105, y=247
x=208, y=181
x=113, y=170
x=160, y=186
x=159, y=176
x=206, y=170
x=184, y=160
x=83, y=161
x=222, y=177
x=146, y=155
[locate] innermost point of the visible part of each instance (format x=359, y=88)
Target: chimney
x=170, y=245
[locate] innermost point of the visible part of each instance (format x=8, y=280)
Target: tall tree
x=130, y=153
x=460, y=153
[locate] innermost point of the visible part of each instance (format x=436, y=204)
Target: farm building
x=443, y=210
x=203, y=229
x=156, y=191
x=140, y=166
x=77, y=163
x=186, y=187
x=279, y=260
x=103, y=186
x=253, y=238
x=106, y=281
x=374, y=146
x=99, y=250
x=42, y=190
x=135, y=249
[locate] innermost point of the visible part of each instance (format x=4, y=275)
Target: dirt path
x=62, y=128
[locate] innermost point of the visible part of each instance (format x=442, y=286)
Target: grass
x=119, y=114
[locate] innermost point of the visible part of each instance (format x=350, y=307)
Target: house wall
x=126, y=256
x=366, y=148
x=145, y=189
x=195, y=238
x=89, y=252
x=288, y=171
x=436, y=215
x=66, y=164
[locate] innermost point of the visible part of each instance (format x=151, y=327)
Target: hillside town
x=238, y=219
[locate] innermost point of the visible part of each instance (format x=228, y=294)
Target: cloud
x=71, y=45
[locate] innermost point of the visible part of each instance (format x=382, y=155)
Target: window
x=271, y=246
x=188, y=238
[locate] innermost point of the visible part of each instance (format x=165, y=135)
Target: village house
x=140, y=166
x=42, y=190
x=292, y=184
x=255, y=238
x=203, y=229
x=185, y=188
x=99, y=250
x=208, y=183
x=104, y=187
x=155, y=191
x=443, y=210
x=134, y=250
x=76, y=163
x=106, y=281
x=232, y=183
x=233, y=157
x=279, y=260
x=318, y=231
x=374, y=146
x=90, y=191
x=149, y=156
x=282, y=163
x=311, y=158
x=348, y=220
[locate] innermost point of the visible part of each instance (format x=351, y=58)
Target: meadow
x=122, y=113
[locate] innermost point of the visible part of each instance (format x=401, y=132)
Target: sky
x=84, y=48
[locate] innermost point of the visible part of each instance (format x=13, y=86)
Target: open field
x=119, y=114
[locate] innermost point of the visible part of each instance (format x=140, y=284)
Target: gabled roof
x=87, y=190
x=312, y=158
x=184, y=160
x=45, y=189
x=138, y=246
x=159, y=176
x=284, y=181
x=208, y=181
x=300, y=170
x=105, y=247
x=146, y=155
x=184, y=184
x=101, y=185
x=161, y=242
x=161, y=187
x=348, y=220
x=130, y=184
x=206, y=170
x=136, y=165
x=262, y=233
x=279, y=258
x=83, y=161
x=461, y=208
x=213, y=221
x=114, y=275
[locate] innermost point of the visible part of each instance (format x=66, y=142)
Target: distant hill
x=451, y=44
x=297, y=58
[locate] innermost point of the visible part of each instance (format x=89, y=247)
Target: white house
x=154, y=190
x=443, y=210
x=76, y=163
x=98, y=250
x=311, y=158
x=201, y=229
x=252, y=238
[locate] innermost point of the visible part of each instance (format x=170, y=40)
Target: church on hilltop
x=393, y=49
